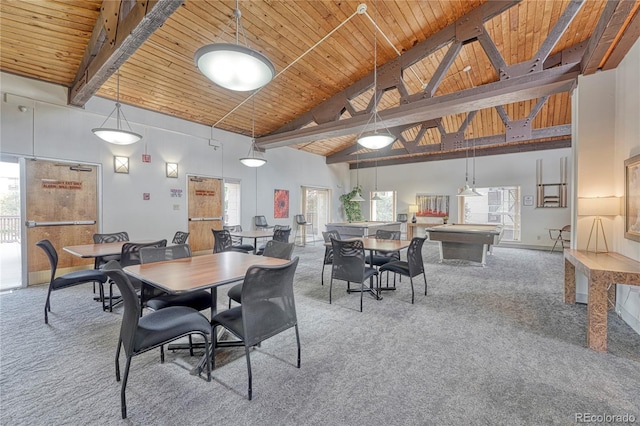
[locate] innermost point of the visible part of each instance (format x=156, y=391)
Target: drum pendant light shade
x=117, y=136
x=375, y=140
x=254, y=157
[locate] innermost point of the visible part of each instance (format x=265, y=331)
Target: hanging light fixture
x=232, y=65
x=467, y=191
x=375, y=139
x=117, y=136
x=357, y=197
x=376, y=197
x=254, y=158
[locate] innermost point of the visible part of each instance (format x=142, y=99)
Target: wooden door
x=61, y=206
x=205, y=211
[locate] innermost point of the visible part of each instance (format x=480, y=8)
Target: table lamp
x=413, y=208
x=600, y=206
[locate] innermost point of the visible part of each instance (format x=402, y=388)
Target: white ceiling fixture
x=254, y=158
x=375, y=139
x=232, y=65
x=117, y=136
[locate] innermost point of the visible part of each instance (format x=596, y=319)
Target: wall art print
x=432, y=205
x=281, y=204
x=632, y=198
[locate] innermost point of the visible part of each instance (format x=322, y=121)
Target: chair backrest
x=221, y=240
x=566, y=228
x=180, y=238
x=281, y=227
x=130, y=254
x=114, y=237
x=328, y=250
x=268, y=305
x=158, y=254
x=383, y=234
x=348, y=260
x=131, y=314
x=281, y=235
x=402, y=217
x=260, y=222
x=52, y=255
x=234, y=228
x=300, y=220
x=414, y=256
x=278, y=249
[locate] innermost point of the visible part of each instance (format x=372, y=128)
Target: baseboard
x=527, y=246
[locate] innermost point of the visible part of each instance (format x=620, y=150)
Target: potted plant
x=352, y=208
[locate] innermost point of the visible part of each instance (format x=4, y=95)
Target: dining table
x=95, y=250
x=374, y=244
x=205, y=272
x=253, y=234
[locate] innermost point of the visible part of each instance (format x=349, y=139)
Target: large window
x=232, y=203
x=385, y=208
x=497, y=206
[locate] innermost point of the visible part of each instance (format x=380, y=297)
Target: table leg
x=569, y=282
x=597, y=311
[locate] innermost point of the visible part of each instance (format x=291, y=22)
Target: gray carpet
x=487, y=346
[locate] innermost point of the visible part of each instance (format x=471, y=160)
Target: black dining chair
x=222, y=242
x=381, y=257
x=67, y=280
x=139, y=334
x=113, y=237
x=348, y=265
x=273, y=248
x=260, y=222
x=237, y=241
x=328, y=250
x=413, y=266
x=301, y=222
x=130, y=255
x=180, y=237
x=280, y=233
x=267, y=309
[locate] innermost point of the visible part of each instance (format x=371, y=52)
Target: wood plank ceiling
x=524, y=58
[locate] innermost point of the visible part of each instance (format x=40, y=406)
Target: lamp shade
x=234, y=67
x=599, y=206
x=468, y=192
x=375, y=140
x=413, y=208
x=116, y=136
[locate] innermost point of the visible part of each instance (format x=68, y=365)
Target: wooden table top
x=95, y=250
x=259, y=233
x=613, y=262
x=199, y=272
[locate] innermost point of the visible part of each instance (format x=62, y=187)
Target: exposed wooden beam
x=531, y=86
x=124, y=35
x=612, y=19
x=625, y=42
x=494, y=150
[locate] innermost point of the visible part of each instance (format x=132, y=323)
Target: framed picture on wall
x=632, y=198
x=281, y=204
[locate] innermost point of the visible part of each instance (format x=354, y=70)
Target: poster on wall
x=632, y=198
x=281, y=204
x=432, y=205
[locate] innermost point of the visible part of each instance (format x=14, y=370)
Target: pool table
x=465, y=241
x=361, y=229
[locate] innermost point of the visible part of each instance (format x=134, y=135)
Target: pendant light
x=254, y=158
x=117, y=136
x=473, y=188
x=375, y=139
x=357, y=197
x=376, y=197
x=467, y=191
x=232, y=65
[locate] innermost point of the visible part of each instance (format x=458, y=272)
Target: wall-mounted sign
x=146, y=158
x=61, y=184
x=205, y=193
x=175, y=192
x=146, y=196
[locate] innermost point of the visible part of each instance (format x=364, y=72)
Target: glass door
x=316, y=208
x=10, y=238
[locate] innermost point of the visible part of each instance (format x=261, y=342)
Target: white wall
x=49, y=129
x=446, y=176
x=607, y=132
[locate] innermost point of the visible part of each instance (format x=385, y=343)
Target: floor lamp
x=602, y=206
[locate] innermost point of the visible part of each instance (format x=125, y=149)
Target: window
x=497, y=206
x=232, y=203
x=316, y=207
x=383, y=210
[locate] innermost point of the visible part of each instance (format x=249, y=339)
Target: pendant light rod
x=254, y=158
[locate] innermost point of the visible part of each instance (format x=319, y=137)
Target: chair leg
x=123, y=400
x=361, y=293
x=425, y=283
x=246, y=352
x=206, y=354
x=322, y=275
x=298, y=340
x=190, y=346
x=47, y=306
x=330, y=288
x=162, y=354
x=213, y=348
x=118, y=360
x=412, y=293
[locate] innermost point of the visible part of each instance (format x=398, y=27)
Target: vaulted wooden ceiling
x=524, y=59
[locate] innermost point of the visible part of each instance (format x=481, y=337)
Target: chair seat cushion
x=399, y=266
x=78, y=277
x=378, y=260
x=198, y=300
x=168, y=324
x=231, y=319
x=235, y=293
x=245, y=247
x=369, y=272
x=270, y=313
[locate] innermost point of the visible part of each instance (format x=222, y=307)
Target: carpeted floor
x=487, y=346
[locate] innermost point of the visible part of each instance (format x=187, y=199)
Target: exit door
x=61, y=206
x=205, y=211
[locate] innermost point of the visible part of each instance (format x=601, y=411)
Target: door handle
x=204, y=219
x=34, y=224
